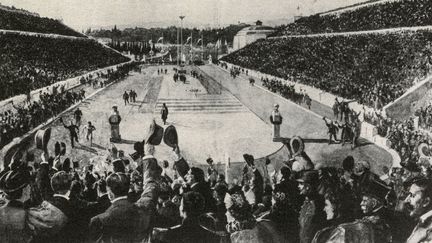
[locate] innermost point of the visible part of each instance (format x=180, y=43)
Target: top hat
x=377, y=189
x=170, y=136
x=155, y=134
x=42, y=138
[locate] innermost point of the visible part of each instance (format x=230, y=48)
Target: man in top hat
x=276, y=120
x=419, y=203
x=114, y=121
x=15, y=185
x=311, y=215
x=373, y=227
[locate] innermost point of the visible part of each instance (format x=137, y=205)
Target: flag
x=150, y=41
x=188, y=39
x=160, y=38
x=198, y=41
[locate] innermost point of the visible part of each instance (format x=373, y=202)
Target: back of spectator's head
x=348, y=163
x=118, y=166
x=197, y=173
x=192, y=204
x=118, y=184
x=61, y=182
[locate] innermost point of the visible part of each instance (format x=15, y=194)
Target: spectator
x=123, y=221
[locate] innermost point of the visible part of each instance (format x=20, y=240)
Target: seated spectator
x=191, y=207
x=16, y=185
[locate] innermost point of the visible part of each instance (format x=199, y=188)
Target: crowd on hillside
x=24, y=117
x=372, y=69
x=392, y=14
x=119, y=199
x=29, y=62
x=13, y=20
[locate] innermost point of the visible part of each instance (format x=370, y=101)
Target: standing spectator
x=16, y=186
x=191, y=207
x=123, y=221
x=311, y=214
x=420, y=206
x=195, y=180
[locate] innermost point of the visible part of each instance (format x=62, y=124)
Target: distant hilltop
x=22, y=11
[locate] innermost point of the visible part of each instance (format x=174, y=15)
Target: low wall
x=314, y=93
x=404, y=107
x=368, y=131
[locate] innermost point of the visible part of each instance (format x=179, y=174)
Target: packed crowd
x=405, y=137
x=373, y=69
x=424, y=115
x=13, y=20
x=392, y=14
x=29, y=62
x=24, y=117
x=287, y=91
x=120, y=199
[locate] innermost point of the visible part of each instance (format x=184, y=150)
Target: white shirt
x=60, y=195
x=119, y=198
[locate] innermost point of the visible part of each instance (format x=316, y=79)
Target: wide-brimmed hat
x=14, y=180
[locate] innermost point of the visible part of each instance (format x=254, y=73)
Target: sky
x=82, y=14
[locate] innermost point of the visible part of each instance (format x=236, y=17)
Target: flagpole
x=181, y=37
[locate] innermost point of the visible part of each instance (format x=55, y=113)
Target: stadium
x=315, y=130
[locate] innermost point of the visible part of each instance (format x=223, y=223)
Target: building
x=251, y=34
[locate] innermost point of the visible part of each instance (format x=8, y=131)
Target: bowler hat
x=249, y=159
x=170, y=136
x=14, y=180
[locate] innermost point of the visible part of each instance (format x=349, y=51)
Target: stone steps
x=207, y=104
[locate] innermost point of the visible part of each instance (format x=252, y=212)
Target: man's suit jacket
x=203, y=188
x=43, y=181
x=13, y=226
x=122, y=222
